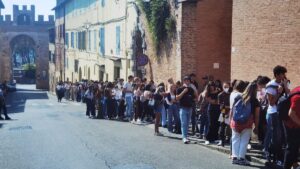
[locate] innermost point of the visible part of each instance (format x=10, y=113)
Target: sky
x=42, y=7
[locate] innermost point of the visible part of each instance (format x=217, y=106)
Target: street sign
x=142, y=60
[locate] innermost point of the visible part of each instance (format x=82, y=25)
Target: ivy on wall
x=160, y=21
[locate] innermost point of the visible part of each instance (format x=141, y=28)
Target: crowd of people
x=218, y=112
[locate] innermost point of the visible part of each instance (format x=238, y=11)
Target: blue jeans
x=104, y=106
x=129, y=106
x=185, y=116
x=172, y=117
x=274, y=136
x=164, y=116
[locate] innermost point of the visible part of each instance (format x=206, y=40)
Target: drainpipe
x=126, y=52
x=64, y=42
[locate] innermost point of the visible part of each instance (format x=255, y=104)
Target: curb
x=220, y=149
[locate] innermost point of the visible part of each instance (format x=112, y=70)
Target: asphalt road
x=49, y=135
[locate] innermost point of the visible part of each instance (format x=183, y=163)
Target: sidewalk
x=254, y=154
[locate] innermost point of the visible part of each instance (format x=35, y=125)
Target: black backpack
x=283, y=106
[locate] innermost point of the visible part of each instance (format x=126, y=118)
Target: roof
x=1, y=5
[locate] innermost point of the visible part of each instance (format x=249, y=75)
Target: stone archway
x=23, y=59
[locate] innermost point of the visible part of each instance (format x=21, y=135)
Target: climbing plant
x=160, y=21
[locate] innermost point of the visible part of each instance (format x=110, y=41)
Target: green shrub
x=160, y=21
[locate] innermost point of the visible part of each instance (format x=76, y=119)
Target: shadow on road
x=16, y=101
x=1, y=125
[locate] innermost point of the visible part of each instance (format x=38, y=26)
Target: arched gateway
x=24, y=47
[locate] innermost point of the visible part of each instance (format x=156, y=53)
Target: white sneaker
x=133, y=121
x=207, y=143
x=185, y=140
x=138, y=121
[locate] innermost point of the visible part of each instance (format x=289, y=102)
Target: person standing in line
x=158, y=108
x=244, y=113
x=59, y=91
x=173, y=115
x=128, y=90
x=90, y=102
x=213, y=113
x=203, y=111
x=223, y=100
x=262, y=81
x=185, y=95
x=67, y=90
x=274, y=136
x=292, y=128
x=194, y=85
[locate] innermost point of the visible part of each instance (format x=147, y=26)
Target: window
x=102, y=41
x=117, y=72
x=76, y=39
x=90, y=48
x=118, y=40
x=76, y=66
x=72, y=39
x=67, y=40
x=95, y=40
x=102, y=3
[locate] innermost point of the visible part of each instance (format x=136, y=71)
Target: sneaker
x=138, y=121
x=207, y=143
x=235, y=160
x=158, y=134
x=133, y=121
x=279, y=163
x=220, y=143
x=243, y=162
x=200, y=136
x=185, y=141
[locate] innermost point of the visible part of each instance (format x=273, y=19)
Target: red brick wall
x=213, y=38
x=265, y=34
x=189, y=38
x=203, y=38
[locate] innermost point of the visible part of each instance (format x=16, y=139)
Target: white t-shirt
x=118, y=93
x=272, y=91
x=128, y=87
x=233, y=95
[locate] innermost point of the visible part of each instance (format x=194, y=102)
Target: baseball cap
x=187, y=78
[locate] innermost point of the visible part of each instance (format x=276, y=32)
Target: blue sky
x=42, y=7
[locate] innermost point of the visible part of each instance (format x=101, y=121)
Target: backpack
x=283, y=106
x=241, y=112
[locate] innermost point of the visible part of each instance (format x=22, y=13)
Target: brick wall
x=265, y=34
x=188, y=38
x=213, y=38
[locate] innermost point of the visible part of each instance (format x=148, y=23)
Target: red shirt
x=295, y=105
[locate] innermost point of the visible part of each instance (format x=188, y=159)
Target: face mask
x=289, y=85
x=263, y=91
x=226, y=90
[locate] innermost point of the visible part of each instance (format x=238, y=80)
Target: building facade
x=24, y=47
x=202, y=44
x=97, y=39
x=265, y=34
